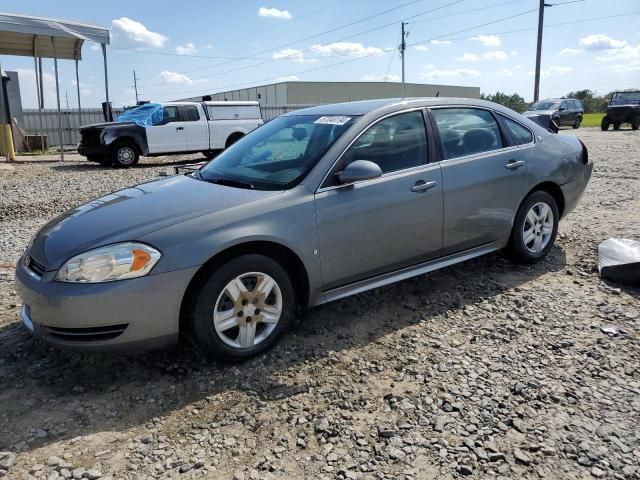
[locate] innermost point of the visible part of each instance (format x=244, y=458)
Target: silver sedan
x=314, y=206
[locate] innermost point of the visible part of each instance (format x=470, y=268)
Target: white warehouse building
x=278, y=98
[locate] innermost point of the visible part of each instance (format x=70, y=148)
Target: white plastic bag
x=619, y=260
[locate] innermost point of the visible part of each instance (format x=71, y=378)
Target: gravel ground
x=484, y=369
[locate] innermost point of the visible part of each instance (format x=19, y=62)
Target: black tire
x=635, y=124
x=577, y=123
x=202, y=330
x=124, y=154
x=616, y=126
x=233, y=138
x=210, y=154
x=604, y=124
x=517, y=246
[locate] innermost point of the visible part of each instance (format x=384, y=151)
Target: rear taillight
x=585, y=152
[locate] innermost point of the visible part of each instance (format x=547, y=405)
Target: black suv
x=624, y=107
x=561, y=111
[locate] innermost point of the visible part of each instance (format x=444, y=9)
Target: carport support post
x=106, y=73
x=55, y=66
x=78, y=89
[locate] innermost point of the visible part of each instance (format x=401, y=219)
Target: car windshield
x=544, y=105
x=277, y=155
x=626, y=98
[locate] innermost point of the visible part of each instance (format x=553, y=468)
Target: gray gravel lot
x=485, y=369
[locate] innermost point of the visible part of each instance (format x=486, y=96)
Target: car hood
x=100, y=126
x=535, y=113
x=131, y=213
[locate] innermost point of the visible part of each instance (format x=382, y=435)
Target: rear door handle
x=179, y=128
x=422, y=186
x=513, y=164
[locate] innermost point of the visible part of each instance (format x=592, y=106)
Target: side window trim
x=332, y=171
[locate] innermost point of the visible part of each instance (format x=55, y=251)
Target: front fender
x=132, y=133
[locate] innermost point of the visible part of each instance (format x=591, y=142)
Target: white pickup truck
x=168, y=128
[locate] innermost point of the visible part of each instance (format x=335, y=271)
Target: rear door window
x=521, y=135
x=466, y=131
x=190, y=113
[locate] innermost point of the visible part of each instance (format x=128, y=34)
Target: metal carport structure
x=41, y=37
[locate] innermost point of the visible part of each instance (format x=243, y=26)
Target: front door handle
x=179, y=128
x=513, y=164
x=422, y=186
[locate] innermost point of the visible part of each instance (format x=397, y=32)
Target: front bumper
x=93, y=150
x=129, y=315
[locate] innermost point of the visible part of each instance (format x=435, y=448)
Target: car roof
x=363, y=107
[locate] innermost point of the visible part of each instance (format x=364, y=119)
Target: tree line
x=591, y=101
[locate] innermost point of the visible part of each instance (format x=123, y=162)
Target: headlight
x=110, y=263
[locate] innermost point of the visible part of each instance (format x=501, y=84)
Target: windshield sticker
x=333, y=120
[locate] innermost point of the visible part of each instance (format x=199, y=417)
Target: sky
x=189, y=48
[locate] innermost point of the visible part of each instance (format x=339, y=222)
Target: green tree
x=512, y=101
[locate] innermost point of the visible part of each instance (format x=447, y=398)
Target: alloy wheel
x=538, y=227
x=247, y=310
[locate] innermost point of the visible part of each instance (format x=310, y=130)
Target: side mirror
x=562, y=109
x=358, y=171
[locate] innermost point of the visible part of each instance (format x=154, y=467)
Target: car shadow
x=51, y=395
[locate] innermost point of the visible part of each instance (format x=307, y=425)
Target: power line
x=292, y=55
x=423, y=41
x=370, y=55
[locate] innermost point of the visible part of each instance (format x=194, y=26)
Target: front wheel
x=243, y=308
x=535, y=227
x=604, y=124
x=635, y=124
x=125, y=155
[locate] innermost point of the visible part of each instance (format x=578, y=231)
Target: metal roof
x=31, y=36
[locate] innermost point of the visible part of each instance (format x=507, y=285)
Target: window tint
x=394, y=143
x=520, y=134
x=190, y=113
x=577, y=104
x=466, y=131
x=565, y=105
x=170, y=114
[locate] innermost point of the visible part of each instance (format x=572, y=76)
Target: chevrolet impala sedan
x=316, y=205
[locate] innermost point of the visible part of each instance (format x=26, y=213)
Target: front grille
x=90, y=137
x=36, y=266
x=87, y=334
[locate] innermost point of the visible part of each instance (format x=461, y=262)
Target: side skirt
x=408, y=272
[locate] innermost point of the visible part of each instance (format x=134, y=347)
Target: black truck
x=624, y=107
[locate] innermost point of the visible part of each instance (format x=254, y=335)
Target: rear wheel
x=577, y=123
x=604, y=124
x=124, y=154
x=233, y=138
x=535, y=227
x=243, y=308
x=210, y=154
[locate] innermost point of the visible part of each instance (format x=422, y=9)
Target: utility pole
x=135, y=85
x=403, y=47
x=536, y=86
